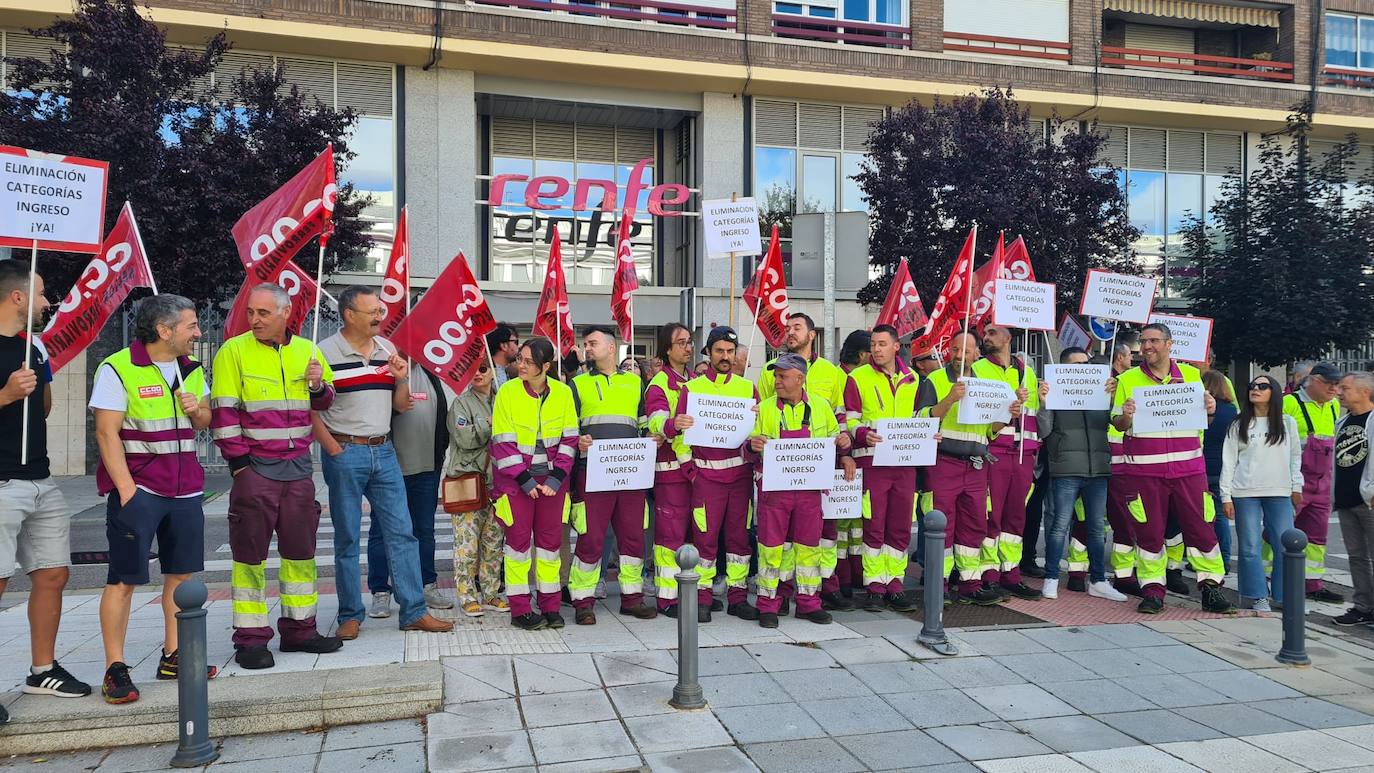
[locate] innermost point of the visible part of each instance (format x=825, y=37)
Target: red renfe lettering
x=543, y=191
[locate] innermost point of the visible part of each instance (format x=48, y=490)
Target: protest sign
x=906, y=442
x=718, y=422
x=1169, y=408
x=56, y=201
x=731, y=226
x=1192, y=335
x=799, y=464
x=845, y=499
x=986, y=401
x=1072, y=334
x=1078, y=387
x=621, y=465
x=1026, y=305
x=1119, y=297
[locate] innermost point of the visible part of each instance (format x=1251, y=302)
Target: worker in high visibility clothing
x=826, y=380
x=609, y=406
x=672, y=487
x=849, y=532
x=533, y=444
x=267, y=381
x=789, y=522
x=959, y=479
x=1013, y=471
x=721, y=481
x=883, y=389
x=1166, y=470
x=1315, y=409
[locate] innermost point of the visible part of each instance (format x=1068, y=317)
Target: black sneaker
x=1022, y=591
x=983, y=597
x=1214, y=601
x=1032, y=571
x=784, y=609
x=1128, y=586
x=716, y=605
x=874, y=602
x=1174, y=582
x=555, y=620
x=768, y=620
x=1327, y=595
x=847, y=593
x=56, y=681
x=1077, y=584
x=316, y=645
x=669, y=612
x=117, y=686
x=836, y=602
x=704, y=614
x=1352, y=617
x=530, y=621
x=167, y=667
x=820, y=617
x=743, y=611
x=1149, y=605
x=254, y=657
x=899, y=602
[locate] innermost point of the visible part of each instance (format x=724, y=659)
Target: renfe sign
x=545, y=192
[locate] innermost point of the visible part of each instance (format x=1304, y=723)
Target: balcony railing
x=995, y=44
x=788, y=25
x=659, y=11
x=1201, y=64
x=1345, y=76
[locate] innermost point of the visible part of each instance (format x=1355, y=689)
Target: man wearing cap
x=824, y=380
x=721, y=481
x=789, y=522
x=1315, y=409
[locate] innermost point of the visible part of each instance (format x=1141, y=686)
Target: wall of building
x=440, y=163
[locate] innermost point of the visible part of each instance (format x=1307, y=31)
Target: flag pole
x=319, y=289
x=406, y=211
x=28, y=350
x=968, y=296
x=733, y=196
x=133, y=221
x=1021, y=434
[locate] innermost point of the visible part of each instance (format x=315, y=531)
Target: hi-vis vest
x=720, y=460
x=1314, y=419
x=671, y=454
x=1169, y=454
x=1016, y=375
x=532, y=438
x=158, y=439
x=260, y=399
x=880, y=397
x=957, y=438
x=608, y=406
x=811, y=417
x=823, y=379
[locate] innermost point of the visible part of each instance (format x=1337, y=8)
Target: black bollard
x=687, y=692
x=193, y=691
x=933, y=601
x=1294, y=650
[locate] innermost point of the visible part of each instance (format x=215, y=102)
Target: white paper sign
x=1025, y=305
x=1192, y=335
x=1121, y=297
x=1072, y=334
x=906, y=442
x=731, y=226
x=799, y=464
x=1078, y=387
x=57, y=200
x=718, y=422
x=986, y=401
x=1169, y=408
x=621, y=465
x=845, y=499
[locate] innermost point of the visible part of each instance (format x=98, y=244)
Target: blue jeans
x=373, y=472
x=1254, y=515
x=1064, y=491
x=422, y=497
x=1220, y=524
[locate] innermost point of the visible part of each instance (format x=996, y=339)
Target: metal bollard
x=933, y=615
x=687, y=692
x=1294, y=650
x=193, y=698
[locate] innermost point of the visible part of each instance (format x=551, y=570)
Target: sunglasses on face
x=1260, y=386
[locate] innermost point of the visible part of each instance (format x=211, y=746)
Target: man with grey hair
x=1352, y=491
x=149, y=399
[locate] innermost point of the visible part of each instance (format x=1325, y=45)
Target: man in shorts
x=149, y=399
x=35, y=527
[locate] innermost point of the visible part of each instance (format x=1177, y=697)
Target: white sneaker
x=1050, y=589
x=600, y=591
x=1261, y=605
x=381, y=605
x=435, y=598
x=1104, y=590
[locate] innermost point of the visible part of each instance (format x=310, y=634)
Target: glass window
x=824, y=13
x=818, y=184
x=1184, y=198
x=1367, y=42
x=775, y=188
x=856, y=10
x=891, y=11
x=1145, y=205
x=852, y=198
x=789, y=8
x=1341, y=32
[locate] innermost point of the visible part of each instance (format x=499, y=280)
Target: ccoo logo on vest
x=149, y=392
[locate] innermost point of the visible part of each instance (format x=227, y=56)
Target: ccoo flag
x=553, y=317
x=767, y=294
x=625, y=283
x=445, y=333
x=902, y=309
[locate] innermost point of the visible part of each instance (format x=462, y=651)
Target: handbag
x=464, y=493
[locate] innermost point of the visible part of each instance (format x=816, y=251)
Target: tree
x=1287, y=254
x=190, y=160
x=933, y=171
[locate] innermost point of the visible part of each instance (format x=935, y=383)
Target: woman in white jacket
x=1261, y=484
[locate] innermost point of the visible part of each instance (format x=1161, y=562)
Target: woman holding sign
x=533, y=443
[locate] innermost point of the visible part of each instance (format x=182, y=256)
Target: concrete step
x=239, y=705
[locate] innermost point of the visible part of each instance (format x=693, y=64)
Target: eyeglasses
x=683, y=342
x=1260, y=386
x=377, y=312
x=1152, y=340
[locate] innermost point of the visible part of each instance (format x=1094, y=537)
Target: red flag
x=950, y=303
x=936, y=340
x=273, y=231
x=1017, y=263
x=445, y=332
x=984, y=286
x=767, y=294
x=553, y=318
x=902, y=309
x=298, y=284
x=119, y=267
x=625, y=283
x=395, y=294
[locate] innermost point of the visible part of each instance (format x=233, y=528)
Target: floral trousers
x=478, y=545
